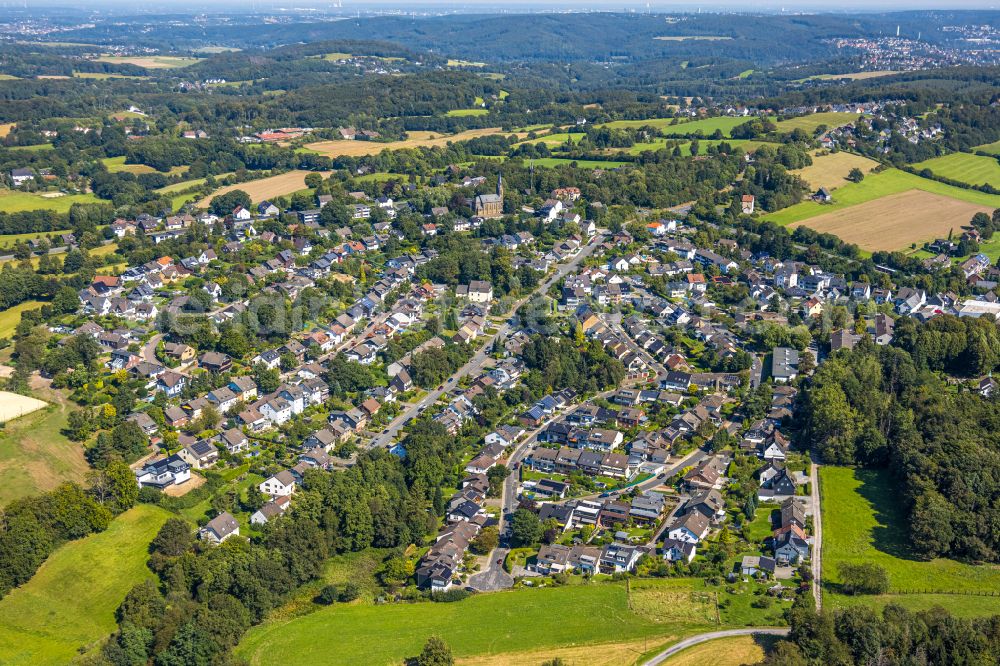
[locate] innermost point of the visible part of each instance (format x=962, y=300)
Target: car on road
x=440, y=387
x=421, y=410
x=662, y=476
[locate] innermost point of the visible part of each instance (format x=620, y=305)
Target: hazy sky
x=515, y=6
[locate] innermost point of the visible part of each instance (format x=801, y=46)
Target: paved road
x=614, y=321
x=817, y=546
x=711, y=636
x=475, y=365
x=149, y=349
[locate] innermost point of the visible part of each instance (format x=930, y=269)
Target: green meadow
x=965, y=168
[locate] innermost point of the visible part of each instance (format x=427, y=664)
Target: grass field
x=991, y=148
x=875, y=186
x=99, y=251
x=11, y=317
x=480, y=626
x=12, y=201
x=70, y=603
x=864, y=522
x=150, y=62
x=830, y=170
x=602, y=654
x=35, y=456
x=9, y=240
x=583, y=164
x=852, y=76
x=811, y=122
x=896, y=221
x=35, y=148
x=414, y=140
x=703, y=144
x=461, y=113
x=706, y=125
x=104, y=75
x=117, y=165
x=965, y=168
x=267, y=188
x=732, y=651
x=465, y=63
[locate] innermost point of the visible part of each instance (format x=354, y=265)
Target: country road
x=817, y=545
x=711, y=636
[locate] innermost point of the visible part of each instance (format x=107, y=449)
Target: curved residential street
x=711, y=636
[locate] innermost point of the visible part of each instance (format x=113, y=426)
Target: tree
x=328, y=595
x=173, y=539
x=486, y=541
x=864, y=578
x=224, y=204
x=525, y=528
x=122, y=486
x=435, y=653
x=855, y=175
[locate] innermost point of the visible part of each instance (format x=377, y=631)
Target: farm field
x=811, y=122
x=69, y=605
x=732, y=651
x=965, y=168
x=267, y=188
x=5, y=129
x=12, y=201
x=830, y=170
x=665, y=609
x=745, y=145
x=897, y=220
x=338, y=147
x=465, y=63
x=706, y=125
x=462, y=113
x=890, y=181
x=104, y=75
x=15, y=405
x=150, y=62
x=864, y=522
x=34, y=455
x=38, y=147
x=99, y=251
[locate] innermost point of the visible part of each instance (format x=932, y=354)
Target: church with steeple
x=489, y=205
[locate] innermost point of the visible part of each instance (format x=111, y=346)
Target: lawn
x=12, y=201
x=11, y=317
x=875, y=186
x=761, y=526
x=9, y=240
x=965, y=168
x=513, y=621
x=70, y=603
x=811, y=122
x=863, y=521
x=34, y=455
x=830, y=170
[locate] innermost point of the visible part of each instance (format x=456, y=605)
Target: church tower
x=500, y=186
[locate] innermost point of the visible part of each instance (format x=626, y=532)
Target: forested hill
x=565, y=37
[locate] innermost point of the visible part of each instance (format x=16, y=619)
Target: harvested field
x=607, y=654
x=14, y=405
x=150, y=62
x=830, y=170
x=5, y=129
x=267, y=188
x=413, y=140
x=897, y=220
x=732, y=651
x=853, y=76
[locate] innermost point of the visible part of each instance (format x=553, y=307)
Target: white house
x=281, y=484
x=691, y=528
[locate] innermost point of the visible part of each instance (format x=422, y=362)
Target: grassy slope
x=863, y=522
x=583, y=164
x=830, y=170
x=733, y=651
x=991, y=148
x=706, y=125
x=34, y=455
x=70, y=603
x=875, y=186
x=517, y=620
x=9, y=240
x=811, y=122
x=11, y=317
x=965, y=168
x=14, y=202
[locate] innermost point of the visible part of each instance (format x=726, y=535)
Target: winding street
x=711, y=636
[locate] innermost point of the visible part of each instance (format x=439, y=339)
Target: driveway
x=711, y=636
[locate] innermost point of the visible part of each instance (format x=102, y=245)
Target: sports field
x=414, y=140
x=68, y=607
x=830, y=170
x=897, y=220
x=267, y=188
x=965, y=168
x=811, y=122
x=150, y=62
x=863, y=521
x=12, y=201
